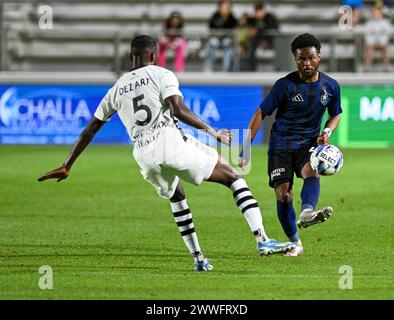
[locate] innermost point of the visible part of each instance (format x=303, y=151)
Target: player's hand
x=323, y=138
x=245, y=154
x=59, y=174
x=243, y=162
x=244, y=159
x=224, y=136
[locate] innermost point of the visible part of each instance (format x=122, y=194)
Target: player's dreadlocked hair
x=142, y=44
x=303, y=41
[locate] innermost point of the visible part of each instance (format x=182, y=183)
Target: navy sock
x=310, y=193
x=287, y=218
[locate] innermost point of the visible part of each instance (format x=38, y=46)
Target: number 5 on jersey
x=141, y=107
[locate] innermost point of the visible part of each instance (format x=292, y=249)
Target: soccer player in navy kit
x=300, y=100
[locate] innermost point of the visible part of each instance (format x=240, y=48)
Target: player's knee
x=231, y=178
x=283, y=194
x=226, y=175
x=285, y=197
x=308, y=172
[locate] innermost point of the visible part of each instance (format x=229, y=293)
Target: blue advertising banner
x=53, y=114
x=224, y=107
x=56, y=114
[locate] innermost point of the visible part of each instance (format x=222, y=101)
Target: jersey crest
x=324, y=97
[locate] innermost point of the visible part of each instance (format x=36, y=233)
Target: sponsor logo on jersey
x=298, y=98
x=152, y=131
x=146, y=140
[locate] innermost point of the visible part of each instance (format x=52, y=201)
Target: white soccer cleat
x=296, y=251
x=203, y=265
x=310, y=217
x=271, y=246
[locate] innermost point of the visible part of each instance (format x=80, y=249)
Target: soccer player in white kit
x=147, y=100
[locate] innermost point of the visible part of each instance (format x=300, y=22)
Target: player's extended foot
x=296, y=251
x=310, y=217
x=272, y=246
x=203, y=265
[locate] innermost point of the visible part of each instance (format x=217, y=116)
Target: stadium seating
x=94, y=35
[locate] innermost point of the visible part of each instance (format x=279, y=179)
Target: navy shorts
x=282, y=164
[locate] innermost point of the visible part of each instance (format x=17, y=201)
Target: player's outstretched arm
x=330, y=126
x=184, y=114
x=253, y=128
x=83, y=140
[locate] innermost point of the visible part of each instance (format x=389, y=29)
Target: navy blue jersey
x=300, y=108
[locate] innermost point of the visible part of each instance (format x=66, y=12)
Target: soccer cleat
x=203, y=265
x=272, y=246
x=296, y=251
x=310, y=217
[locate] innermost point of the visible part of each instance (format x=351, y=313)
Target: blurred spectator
x=356, y=6
x=242, y=39
x=377, y=38
x=260, y=26
x=173, y=40
x=221, y=24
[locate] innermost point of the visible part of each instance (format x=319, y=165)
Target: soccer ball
x=326, y=160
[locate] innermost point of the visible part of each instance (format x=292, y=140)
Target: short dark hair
x=221, y=2
x=173, y=15
x=303, y=41
x=259, y=5
x=142, y=44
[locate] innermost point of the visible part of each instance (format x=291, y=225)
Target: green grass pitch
x=107, y=235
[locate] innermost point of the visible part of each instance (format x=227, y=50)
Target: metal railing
x=282, y=41
x=117, y=38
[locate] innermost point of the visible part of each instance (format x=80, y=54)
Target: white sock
x=250, y=209
x=184, y=221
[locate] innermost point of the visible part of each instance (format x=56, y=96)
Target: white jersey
x=138, y=97
x=163, y=154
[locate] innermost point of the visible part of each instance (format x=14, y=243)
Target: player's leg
x=184, y=220
x=168, y=186
x=287, y=216
x=198, y=162
x=280, y=172
x=226, y=175
x=311, y=187
x=285, y=210
x=310, y=196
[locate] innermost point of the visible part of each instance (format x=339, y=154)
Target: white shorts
x=169, y=157
x=381, y=41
